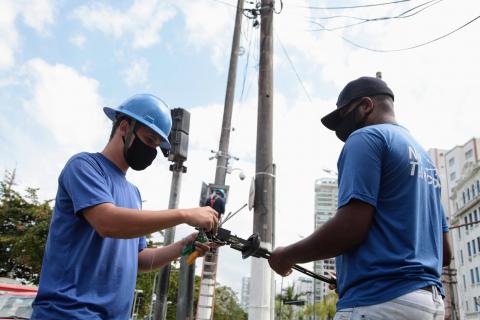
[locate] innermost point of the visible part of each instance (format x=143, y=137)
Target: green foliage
x=24, y=224
x=227, y=306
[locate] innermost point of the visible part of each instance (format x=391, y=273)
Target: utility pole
x=178, y=154
x=261, y=288
x=206, y=297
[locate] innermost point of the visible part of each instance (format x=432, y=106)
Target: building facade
x=245, y=294
x=455, y=168
x=326, y=201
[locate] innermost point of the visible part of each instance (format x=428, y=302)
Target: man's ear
x=123, y=127
x=368, y=105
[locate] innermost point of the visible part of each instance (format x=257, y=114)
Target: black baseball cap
x=361, y=87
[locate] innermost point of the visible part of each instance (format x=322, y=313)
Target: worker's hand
x=202, y=217
x=280, y=263
x=333, y=276
x=201, y=248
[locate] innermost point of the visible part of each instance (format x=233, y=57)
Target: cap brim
x=332, y=120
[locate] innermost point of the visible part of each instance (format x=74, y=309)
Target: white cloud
x=143, y=20
x=78, y=40
x=36, y=14
x=137, y=73
x=66, y=103
x=209, y=26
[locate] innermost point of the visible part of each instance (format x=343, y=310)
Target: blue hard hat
x=150, y=111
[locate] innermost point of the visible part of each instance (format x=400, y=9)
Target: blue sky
x=62, y=61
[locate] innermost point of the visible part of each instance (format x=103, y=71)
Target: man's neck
x=114, y=153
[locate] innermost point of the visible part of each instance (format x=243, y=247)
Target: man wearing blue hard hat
x=96, y=242
x=389, y=235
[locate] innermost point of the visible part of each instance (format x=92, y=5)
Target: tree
x=24, y=225
x=227, y=306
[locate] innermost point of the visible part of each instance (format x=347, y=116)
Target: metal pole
x=207, y=283
x=261, y=290
x=185, y=291
x=160, y=312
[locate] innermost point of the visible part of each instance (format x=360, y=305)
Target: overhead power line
x=294, y=69
x=402, y=49
x=359, y=6
x=402, y=15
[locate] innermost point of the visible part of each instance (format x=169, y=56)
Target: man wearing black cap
x=389, y=234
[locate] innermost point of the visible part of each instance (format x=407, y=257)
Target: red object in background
x=16, y=300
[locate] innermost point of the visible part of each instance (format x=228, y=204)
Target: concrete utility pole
x=261, y=288
x=209, y=269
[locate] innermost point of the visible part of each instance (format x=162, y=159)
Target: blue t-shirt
x=85, y=276
x=385, y=167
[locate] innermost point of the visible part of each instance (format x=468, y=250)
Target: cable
x=400, y=16
x=245, y=70
x=366, y=19
x=293, y=67
x=225, y=3
x=359, y=6
x=408, y=48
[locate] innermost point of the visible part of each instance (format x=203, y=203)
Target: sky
x=62, y=61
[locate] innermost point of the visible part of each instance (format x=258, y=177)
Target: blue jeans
x=417, y=305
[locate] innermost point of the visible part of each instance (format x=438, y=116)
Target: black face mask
x=139, y=155
x=350, y=123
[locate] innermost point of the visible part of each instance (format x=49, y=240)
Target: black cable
x=366, y=19
x=245, y=70
x=359, y=6
x=293, y=67
x=225, y=3
x=400, y=16
x=408, y=48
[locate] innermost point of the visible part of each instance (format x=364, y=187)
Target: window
x=465, y=219
x=464, y=283
x=478, y=186
x=475, y=215
x=475, y=303
x=463, y=194
x=478, y=243
x=468, y=194
x=452, y=176
x=472, y=277
x=473, y=191
x=474, y=248
x=477, y=273
x=451, y=162
x=468, y=154
x=461, y=256
x=469, y=249
x=470, y=218
x=459, y=233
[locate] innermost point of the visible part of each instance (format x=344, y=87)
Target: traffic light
x=179, y=135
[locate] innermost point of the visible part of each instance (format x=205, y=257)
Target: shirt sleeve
x=85, y=184
x=360, y=168
x=142, y=243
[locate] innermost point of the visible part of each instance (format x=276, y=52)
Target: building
x=245, y=295
x=326, y=201
x=457, y=173
x=303, y=288
x=466, y=234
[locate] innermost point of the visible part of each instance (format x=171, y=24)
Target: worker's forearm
x=154, y=258
x=124, y=223
x=333, y=238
